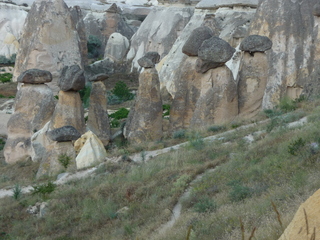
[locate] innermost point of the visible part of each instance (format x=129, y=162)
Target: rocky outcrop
x=145, y=118
x=306, y=222
x=72, y=78
x=105, y=66
x=158, y=32
x=214, y=4
x=98, y=120
x=11, y=24
x=218, y=101
x=49, y=41
x=34, y=105
x=91, y=151
x=117, y=47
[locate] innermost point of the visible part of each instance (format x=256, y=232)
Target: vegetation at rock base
x=93, y=45
x=238, y=198
x=85, y=96
x=115, y=117
x=8, y=61
x=64, y=160
x=5, y=77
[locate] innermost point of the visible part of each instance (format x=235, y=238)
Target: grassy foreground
x=252, y=194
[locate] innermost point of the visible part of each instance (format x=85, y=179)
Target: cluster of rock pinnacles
x=44, y=129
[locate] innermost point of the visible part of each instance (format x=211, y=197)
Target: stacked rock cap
x=114, y=9
x=316, y=10
x=214, y=52
x=196, y=38
x=99, y=77
x=72, y=78
x=214, y=4
x=149, y=60
x=256, y=43
x=35, y=76
x=64, y=134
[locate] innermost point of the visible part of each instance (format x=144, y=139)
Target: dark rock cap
x=316, y=10
x=114, y=9
x=64, y=134
x=99, y=77
x=256, y=43
x=72, y=78
x=35, y=76
x=196, y=38
x=153, y=56
x=204, y=66
x=215, y=50
x=146, y=62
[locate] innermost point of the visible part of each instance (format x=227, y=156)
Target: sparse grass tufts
x=64, y=160
x=204, y=204
x=295, y=146
x=239, y=192
x=179, y=134
x=17, y=192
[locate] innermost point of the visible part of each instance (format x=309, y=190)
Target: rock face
x=49, y=40
x=68, y=112
x=218, y=101
x=256, y=43
x=11, y=24
x=35, y=76
x=252, y=83
x=295, y=31
x=30, y=116
x=98, y=120
x=117, y=47
x=158, y=32
x=297, y=229
x=195, y=40
x=72, y=78
x=92, y=151
x=145, y=118
x=64, y=134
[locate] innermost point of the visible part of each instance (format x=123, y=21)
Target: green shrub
x=204, y=204
x=120, y=114
x=93, y=45
x=196, y=142
x=216, y=128
x=5, y=77
x=8, y=61
x=44, y=190
x=64, y=160
x=122, y=91
x=17, y=192
x=179, y=134
x=286, y=104
x=166, y=110
x=2, y=143
x=295, y=146
x=239, y=192
x=85, y=96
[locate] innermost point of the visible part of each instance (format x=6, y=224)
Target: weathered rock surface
x=105, y=66
x=98, y=121
x=64, y=134
x=297, y=229
x=195, y=40
x=218, y=101
x=256, y=43
x=92, y=151
x=35, y=76
x=49, y=40
x=117, y=47
x=252, y=83
x=214, y=4
x=11, y=25
x=155, y=34
x=316, y=10
x=145, y=118
x=30, y=116
x=146, y=62
x=72, y=78
x=4, y=119
x=68, y=112
x=99, y=77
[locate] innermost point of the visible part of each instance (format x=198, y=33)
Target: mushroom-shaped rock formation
x=72, y=78
x=98, y=120
x=195, y=40
x=64, y=134
x=117, y=47
x=256, y=43
x=35, y=76
x=214, y=4
x=214, y=52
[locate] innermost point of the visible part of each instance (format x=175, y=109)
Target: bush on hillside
x=5, y=77
x=93, y=45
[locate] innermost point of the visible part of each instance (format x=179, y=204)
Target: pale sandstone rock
x=49, y=41
x=297, y=229
x=30, y=116
x=98, y=121
x=117, y=47
x=218, y=101
x=145, y=118
x=68, y=112
x=92, y=152
x=252, y=83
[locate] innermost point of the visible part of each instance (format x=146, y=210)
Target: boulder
x=308, y=212
x=117, y=47
x=34, y=106
x=252, y=83
x=105, y=66
x=92, y=152
x=195, y=40
x=153, y=56
x=68, y=112
x=218, y=101
x=256, y=43
x=98, y=120
x=64, y=134
x=146, y=62
x=145, y=118
x=49, y=41
x=99, y=77
x=214, y=4
x=72, y=78
x=35, y=76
